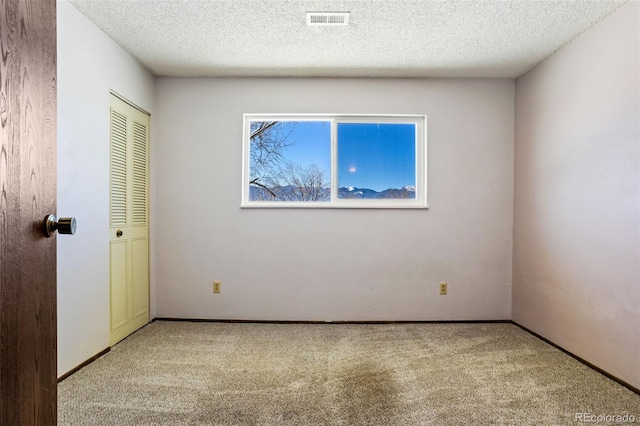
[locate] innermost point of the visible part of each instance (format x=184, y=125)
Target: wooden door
x=27, y=194
x=129, y=213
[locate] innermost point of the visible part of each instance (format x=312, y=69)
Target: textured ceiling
x=385, y=38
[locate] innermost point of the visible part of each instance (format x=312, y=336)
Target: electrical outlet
x=443, y=288
x=217, y=286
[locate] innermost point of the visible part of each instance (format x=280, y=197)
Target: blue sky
x=376, y=156
x=312, y=144
x=370, y=155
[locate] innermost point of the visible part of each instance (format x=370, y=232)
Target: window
x=334, y=161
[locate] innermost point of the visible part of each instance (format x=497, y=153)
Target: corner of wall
x=90, y=65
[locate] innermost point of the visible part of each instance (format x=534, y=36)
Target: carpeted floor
x=183, y=373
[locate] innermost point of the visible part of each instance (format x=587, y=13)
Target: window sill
x=319, y=205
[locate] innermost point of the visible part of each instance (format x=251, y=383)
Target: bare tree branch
x=271, y=173
x=263, y=127
x=269, y=141
x=266, y=188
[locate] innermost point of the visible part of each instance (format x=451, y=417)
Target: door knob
x=119, y=233
x=64, y=225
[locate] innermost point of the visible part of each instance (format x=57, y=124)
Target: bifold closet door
x=129, y=220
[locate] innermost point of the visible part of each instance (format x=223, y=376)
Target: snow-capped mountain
x=346, y=192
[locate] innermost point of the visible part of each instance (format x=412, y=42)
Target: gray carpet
x=181, y=373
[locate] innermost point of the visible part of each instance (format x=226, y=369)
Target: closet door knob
x=119, y=233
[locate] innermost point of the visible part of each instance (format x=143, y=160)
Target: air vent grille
x=332, y=19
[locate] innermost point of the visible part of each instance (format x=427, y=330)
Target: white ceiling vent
x=332, y=19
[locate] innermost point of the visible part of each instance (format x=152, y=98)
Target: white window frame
x=419, y=202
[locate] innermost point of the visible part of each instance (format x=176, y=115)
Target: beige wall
x=576, y=277
x=319, y=264
x=90, y=64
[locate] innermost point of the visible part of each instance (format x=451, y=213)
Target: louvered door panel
x=118, y=214
x=129, y=230
x=139, y=176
